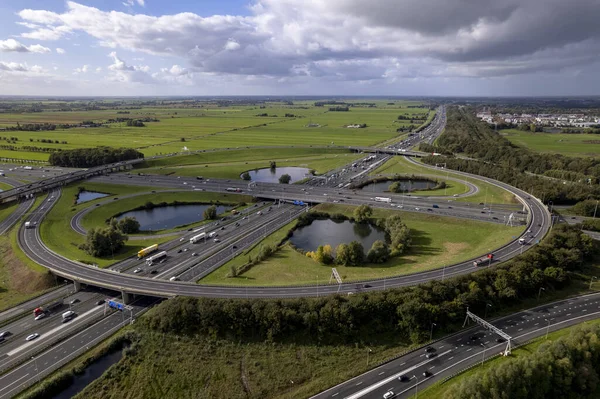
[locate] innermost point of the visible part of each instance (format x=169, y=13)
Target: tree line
x=406, y=312
x=90, y=157
x=562, y=369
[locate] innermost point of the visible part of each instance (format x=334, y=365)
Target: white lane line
x=335, y=394
x=381, y=383
x=358, y=383
x=14, y=382
x=383, y=372
x=53, y=331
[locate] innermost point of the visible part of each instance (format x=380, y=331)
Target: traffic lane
x=259, y=223
x=201, y=248
x=31, y=304
x=27, y=324
x=33, y=370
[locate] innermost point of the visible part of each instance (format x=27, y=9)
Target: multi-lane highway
x=404, y=375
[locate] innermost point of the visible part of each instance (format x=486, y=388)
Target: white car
x=32, y=337
x=388, y=395
x=138, y=270
x=40, y=316
x=417, y=209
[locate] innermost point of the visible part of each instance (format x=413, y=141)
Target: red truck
x=484, y=261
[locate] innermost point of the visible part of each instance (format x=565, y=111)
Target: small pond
x=167, y=217
x=268, y=175
x=334, y=233
x=85, y=196
x=91, y=372
x=410, y=185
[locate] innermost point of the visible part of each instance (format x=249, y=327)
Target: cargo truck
x=196, y=238
x=156, y=257
x=147, y=250
x=383, y=199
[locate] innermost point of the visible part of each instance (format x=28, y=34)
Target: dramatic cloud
x=13, y=45
x=128, y=73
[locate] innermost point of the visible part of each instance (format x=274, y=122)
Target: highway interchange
x=452, y=354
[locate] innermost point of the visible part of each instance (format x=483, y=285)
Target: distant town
x=549, y=120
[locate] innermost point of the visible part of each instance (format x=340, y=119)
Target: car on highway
x=154, y=272
x=388, y=395
x=4, y=334
x=194, y=254
x=74, y=301
x=431, y=355
x=138, y=270
x=31, y=337
x=185, y=249
x=100, y=302
x=216, y=240
x=40, y=316
x=181, y=239
x=179, y=251
x=403, y=378
x=430, y=349
x=417, y=209
x=234, y=247
x=426, y=373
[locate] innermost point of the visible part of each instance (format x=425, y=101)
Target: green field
x=230, y=164
x=577, y=145
x=437, y=241
x=99, y=215
x=211, y=127
x=4, y=186
x=488, y=193
x=7, y=209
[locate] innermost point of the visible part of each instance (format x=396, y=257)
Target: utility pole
x=416, y=386
x=595, y=209
x=592, y=281
x=540, y=292
x=483, y=357
x=431, y=332
x=368, y=352
x=486, y=308
x=547, y=327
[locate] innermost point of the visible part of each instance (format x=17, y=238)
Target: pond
x=410, y=185
x=85, y=196
x=90, y=373
x=167, y=217
x=334, y=233
x=268, y=175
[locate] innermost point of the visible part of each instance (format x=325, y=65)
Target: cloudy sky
x=324, y=47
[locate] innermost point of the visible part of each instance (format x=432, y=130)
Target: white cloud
x=19, y=67
x=83, y=69
x=11, y=45
x=130, y=3
x=128, y=73
x=60, y=50
x=232, y=45
x=99, y=69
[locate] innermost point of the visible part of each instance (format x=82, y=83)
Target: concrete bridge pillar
x=76, y=286
x=126, y=297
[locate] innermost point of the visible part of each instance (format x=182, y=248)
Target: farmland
x=206, y=126
x=578, y=145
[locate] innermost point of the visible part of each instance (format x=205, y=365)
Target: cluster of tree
x=32, y=127
x=90, y=157
x=272, y=165
x=135, y=123
x=48, y=141
x=101, y=242
x=566, y=368
x=126, y=225
x=586, y=208
x=323, y=103
x=590, y=130
x=339, y=109
x=362, y=213
x=285, y=179
x=405, y=312
x=499, y=159
x=210, y=213
x=418, y=118
x=290, y=115
x=246, y=176
x=572, y=176
x=29, y=148
x=398, y=232
x=13, y=139
x=530, y=127
x=408, y=128
x=398, y=187
x=123, y=112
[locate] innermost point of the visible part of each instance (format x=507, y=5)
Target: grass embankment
x=436, y=241
x=20, y=277
x=439, y=390
x=7, y=209
x=101, y=214
x=578, y=145
x=167, y=366
x=230, y=164
x=4, y=186
x=57, y=234
x=452, y=187
x=488, y=193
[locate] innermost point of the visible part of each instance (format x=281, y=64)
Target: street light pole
x=431, y=332
x=595, y=209
x=540, y=292
x=37, y=373
x=483, y=357
x=547, y=327
x=486, y=308
x=592, y=281
x=368, y=352
x=416, y=386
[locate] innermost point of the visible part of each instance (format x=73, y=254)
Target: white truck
x=196, y=238
x=68, y=315
x=30, y=225
x=212, y=234
x=153, y=258
x=383, y=199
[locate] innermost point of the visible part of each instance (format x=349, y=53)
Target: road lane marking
x=383, y=372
